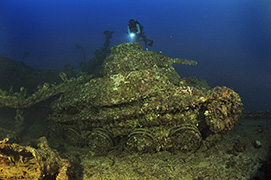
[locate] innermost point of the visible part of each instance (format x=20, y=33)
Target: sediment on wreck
x=142, y=100
x=19, y=162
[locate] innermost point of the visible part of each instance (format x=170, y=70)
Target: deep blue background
x=231, y=40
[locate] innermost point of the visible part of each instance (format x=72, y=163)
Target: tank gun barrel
x=182, y=61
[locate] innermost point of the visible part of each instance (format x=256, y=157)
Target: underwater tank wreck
x=142, y=104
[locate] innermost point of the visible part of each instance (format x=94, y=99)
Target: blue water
x=231, y=40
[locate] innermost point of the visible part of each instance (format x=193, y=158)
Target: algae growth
x=140, y=104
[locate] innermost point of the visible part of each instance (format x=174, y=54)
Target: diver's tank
x=141, y=104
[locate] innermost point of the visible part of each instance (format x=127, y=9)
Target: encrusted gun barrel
x=143, y=104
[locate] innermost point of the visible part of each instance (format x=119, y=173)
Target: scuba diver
x=135, y=29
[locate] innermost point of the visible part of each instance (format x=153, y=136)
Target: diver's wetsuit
x=137, y=28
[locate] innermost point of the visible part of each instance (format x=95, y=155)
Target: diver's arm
x=138, y=29
x=128, y=29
